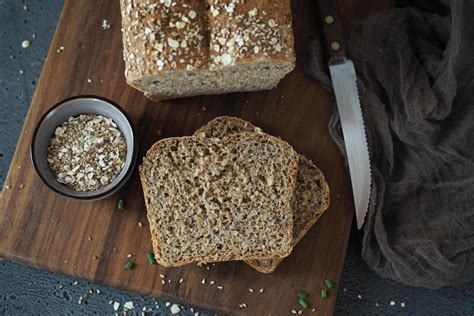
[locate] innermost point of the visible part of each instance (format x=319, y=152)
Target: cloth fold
x=415, y=68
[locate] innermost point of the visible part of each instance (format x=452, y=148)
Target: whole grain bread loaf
x=311, y=196
x=211, y=199
x=191, y=47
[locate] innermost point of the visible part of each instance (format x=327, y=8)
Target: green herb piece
x=302, y=294
x=151, y=258
x=129, y=265
x=329, y=283
x=324, y=293
x=120, y=205
x=303, y=303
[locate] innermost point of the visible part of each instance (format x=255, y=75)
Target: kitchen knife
x=344, y=82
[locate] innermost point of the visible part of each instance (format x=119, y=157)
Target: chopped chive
x=120, y=205
x=329, y=283
x=302, y=294
x=324, y=293
x=151, y=258
x=129, y=265
x=303, y=303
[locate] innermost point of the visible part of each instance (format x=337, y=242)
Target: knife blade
x=344, y=81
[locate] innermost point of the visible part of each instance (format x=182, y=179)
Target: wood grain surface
x=42, y=229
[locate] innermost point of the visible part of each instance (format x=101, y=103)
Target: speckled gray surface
x=24, y=290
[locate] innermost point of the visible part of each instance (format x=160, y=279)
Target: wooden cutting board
x=44, y=230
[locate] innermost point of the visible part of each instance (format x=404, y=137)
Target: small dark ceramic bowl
x=58, y=114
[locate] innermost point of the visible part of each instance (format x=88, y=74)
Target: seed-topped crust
x=171, y=36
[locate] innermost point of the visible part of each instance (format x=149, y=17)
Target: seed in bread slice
x=215, y=199
x=311, y=197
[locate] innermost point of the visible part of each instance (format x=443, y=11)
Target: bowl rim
x=126, y=176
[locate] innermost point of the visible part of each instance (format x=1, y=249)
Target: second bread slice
x=219, y=199
x=311, y=197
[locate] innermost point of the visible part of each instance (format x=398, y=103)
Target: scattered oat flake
x=344, y=289
x=25, y=44
x=392, y=303
x=97, y=291
x=111, y=302
x=175, y=309
x=402, y=304
x=25, y=7
x=128, y=305
x=20, y=72
x=75, y=283
x=167, y=304
x=105, y=25
x=376, y=304
x=359, y=296
x=116, y=306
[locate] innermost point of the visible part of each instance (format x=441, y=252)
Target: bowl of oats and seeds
x=84, y=148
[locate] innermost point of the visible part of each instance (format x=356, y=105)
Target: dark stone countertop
x=24, y=290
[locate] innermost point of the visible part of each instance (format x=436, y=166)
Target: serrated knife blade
x=344, y=81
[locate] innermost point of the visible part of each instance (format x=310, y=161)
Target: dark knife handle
x=333, y=29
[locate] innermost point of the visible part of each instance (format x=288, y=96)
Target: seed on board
x=25, y=44
x=203, y=281
x=22, y=186
x=313, y=310
x=220, y=287
x=359, y=296
x=402, y=304
x=180, y=281
x=212, y=282
x=300, y=312
x=392, y=303
x=140, y=224
x=250, y=290
x=129, y=255
x=293, y=311
x=261, y=290
x=94, y=257
x=163, y=282
x=162, y=276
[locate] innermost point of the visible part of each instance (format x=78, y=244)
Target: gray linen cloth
x=415, y=68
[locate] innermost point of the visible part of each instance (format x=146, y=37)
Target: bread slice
x=215, y=199
x=191, y=47
x=311, y=197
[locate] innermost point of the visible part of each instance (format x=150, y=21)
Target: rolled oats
x=87, y=152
